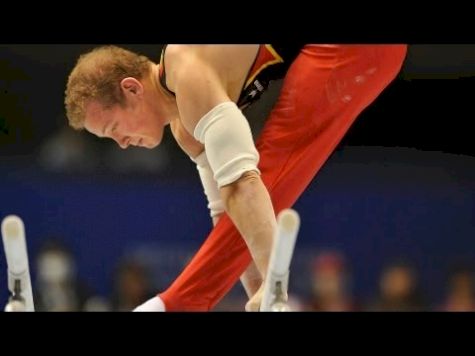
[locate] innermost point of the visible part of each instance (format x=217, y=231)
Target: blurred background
x=388, y=223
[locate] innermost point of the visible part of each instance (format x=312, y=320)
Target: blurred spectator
x=132, y=286
x=460, y=290
x=57, y=287
x=136, y=160
x=398, y=290
x=65, y=151
x=97, y=304
x=330, y=283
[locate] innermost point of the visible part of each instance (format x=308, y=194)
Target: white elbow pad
x=215, y=203
x=228, y=142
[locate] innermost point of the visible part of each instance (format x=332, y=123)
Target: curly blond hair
x=97, y=76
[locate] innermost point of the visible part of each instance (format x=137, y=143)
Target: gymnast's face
x=136, y=123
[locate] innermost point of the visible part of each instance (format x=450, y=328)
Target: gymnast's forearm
x=251, y=279
x=248, y=204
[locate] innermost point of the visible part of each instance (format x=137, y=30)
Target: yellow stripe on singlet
x=277, y=59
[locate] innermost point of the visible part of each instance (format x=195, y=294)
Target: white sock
x=152, y=305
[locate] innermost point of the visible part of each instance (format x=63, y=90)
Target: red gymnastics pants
x=325, y=89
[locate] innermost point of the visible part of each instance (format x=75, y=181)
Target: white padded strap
x=228, y=142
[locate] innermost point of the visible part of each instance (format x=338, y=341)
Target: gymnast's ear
x=131, y=86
